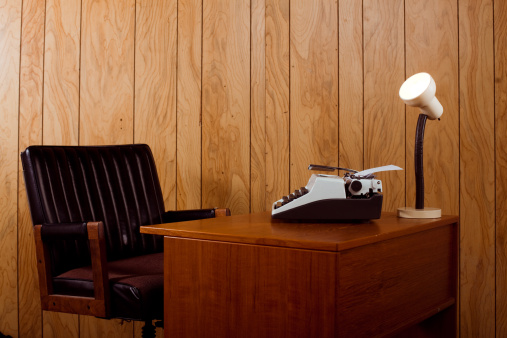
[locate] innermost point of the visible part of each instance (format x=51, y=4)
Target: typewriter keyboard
x=291, y=197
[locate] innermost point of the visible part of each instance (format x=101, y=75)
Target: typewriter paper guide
x=377, y=170
x=330, y=197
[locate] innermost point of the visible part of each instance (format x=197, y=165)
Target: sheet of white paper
x=378, y=169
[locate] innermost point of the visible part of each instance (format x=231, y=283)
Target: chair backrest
x=117, y=185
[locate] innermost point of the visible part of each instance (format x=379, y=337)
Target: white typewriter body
x=354, y=196
x=319, y=187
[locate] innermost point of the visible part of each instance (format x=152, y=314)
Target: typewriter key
x=285, y=200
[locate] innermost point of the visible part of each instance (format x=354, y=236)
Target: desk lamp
x=419, y=91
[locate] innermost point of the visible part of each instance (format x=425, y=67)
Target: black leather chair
x=87, y=204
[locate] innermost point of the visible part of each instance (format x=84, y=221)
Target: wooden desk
x=251, y=276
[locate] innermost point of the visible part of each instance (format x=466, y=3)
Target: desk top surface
x=261, y=229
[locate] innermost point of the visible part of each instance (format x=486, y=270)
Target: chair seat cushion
x=137, y=286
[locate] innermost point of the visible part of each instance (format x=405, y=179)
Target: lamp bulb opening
x=419, y=91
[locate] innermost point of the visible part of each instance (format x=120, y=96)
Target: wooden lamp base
x=409, y=212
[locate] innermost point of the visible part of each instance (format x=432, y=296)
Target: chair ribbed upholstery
x=69, y=186
x=117, y=185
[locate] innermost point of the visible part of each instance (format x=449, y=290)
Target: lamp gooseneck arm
x=418, y=161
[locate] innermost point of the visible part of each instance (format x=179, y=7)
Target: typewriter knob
x=356, y=186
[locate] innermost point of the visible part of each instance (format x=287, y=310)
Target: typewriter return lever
x=328, y=168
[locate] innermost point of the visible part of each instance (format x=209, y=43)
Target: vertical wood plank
x=258, y=107
x=432, y=47
x=226, y=105
x=384, y=112
x=61, y=72
x=10, y=30
x=477, y=159
x=277, y=75
x=107, y=72
x=351, y=120
x=106, y=99
x=313, y=87
x=155, y=82
x=56, y=324
x=30, y=132
x=91, y=327
x=61, y=107
x=189, y=104
x=500, y=29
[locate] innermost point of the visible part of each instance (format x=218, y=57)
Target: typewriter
x=357, y=196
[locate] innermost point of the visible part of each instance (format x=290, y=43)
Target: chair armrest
x=190, y=215
x=62, y=231
x=94, y=233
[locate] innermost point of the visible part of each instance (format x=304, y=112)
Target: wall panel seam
x=134, y=77
x=18, y=159
x=79, y=84
x=250, y=106
x=494, y=166
x=176, y=104
x=459, y=166
x=200, y=115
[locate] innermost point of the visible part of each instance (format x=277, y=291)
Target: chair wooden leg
x=148, y=329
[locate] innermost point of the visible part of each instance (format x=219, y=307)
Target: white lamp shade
x=419, y=91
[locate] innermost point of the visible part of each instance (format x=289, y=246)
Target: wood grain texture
x=261, y=229
x=477, y=159
x=189, y=104
x=384, y=286
x=111, y=92
x=10, y=35
x=61, y=72
x=224, y=286
x=30, y=132
x=155, y=88
x=107, y=72
x=226, y=105
x=399, y=279
x=57, y=324
x=106, y=98
x=313, y=87
x=258, y=106
x=268, y=279
x=384, y=112
x=501, y=166
x=97, y=244
x=350, y=61
x=500, y=29
x=62, y=34
x=431, y=33
x=277, y=100
x=91, y=327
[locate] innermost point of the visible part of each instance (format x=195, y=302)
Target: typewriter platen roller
x=355, y=196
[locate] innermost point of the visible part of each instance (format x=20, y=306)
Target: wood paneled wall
x=237, y=97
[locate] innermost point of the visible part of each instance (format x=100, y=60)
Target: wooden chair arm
x=99, y=305
x=222, y=212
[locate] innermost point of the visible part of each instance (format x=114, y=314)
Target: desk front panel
x=216, y=289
